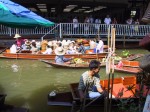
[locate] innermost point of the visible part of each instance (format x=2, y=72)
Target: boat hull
x=79, y=65
x=51, y=56
x=131, y=70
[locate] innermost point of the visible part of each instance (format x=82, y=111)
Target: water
x=28, y=82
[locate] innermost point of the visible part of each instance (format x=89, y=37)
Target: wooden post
x=124, y=41
x=108, y=37
x=110, y=72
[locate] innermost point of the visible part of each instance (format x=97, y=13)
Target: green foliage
x=127, y=105
x=125, y=53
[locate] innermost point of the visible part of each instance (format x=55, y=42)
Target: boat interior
x=123, y=88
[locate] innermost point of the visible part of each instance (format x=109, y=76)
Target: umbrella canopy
x=17, y=16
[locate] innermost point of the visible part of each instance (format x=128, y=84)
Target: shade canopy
x=17, y=16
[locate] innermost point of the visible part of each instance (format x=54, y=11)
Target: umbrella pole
x=49, y=32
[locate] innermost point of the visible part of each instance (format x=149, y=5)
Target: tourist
x=48, y=50
x=136, y=25
x=97, y=24
x=44, y=43
x=60, y=59
x=90, y=81
x=114, y=21
x=100, y=46
x=34, y=48
x=75, y=24
x=19, y=40
x=107, y=20
x=86, y=25
x=81, y=48
x=129, y=21
x=28, y=44
x=13, y=48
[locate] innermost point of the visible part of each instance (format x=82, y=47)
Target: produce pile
x=78, y=60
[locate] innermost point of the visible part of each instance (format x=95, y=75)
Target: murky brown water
x=27, y=82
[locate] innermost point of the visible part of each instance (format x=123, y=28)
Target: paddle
x=4, y=50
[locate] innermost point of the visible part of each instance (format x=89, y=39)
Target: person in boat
x=19, y=40
x=13, y=48
x=26, y=45
x=81, y=48
x=48, y=50
x=100, y=46
x=72, y=48
x=34, y=48
x=90, y=81
x=60, y=59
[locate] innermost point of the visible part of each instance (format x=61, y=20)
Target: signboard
x=147, y=104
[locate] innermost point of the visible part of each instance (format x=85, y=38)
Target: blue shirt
x=61, y=59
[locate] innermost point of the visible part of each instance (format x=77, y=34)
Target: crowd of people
x=50, y=47
x=107, y=20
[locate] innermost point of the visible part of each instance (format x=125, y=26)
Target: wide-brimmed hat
x=60, y=51
x=145, y=42
x=27, y=43
x=17, y=36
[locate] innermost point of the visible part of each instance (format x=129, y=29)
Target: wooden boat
x=78, y=65
x=2, y=99
x=133, y=57
x=130, y=63
x=128, y=69
x=51, y=56
x=73, y=97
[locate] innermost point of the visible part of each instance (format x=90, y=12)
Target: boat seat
x=86, y=101
x=120, y=91
x=26, y=51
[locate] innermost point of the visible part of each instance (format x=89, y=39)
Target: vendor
x=60, y=59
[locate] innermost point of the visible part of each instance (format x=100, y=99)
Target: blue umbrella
x=15, y=15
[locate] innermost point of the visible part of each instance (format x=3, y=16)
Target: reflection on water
x=15, y=68
x=28, y=82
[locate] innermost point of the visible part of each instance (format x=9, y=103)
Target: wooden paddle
x=4, y=50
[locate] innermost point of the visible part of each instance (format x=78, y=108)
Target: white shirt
x=107, y=21
x=13, y=49
x=48, y=51
x=97, y=21
x=100, y=46
x=75, y=23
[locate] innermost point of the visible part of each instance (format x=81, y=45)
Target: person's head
x=107, y=16
x=94, y=66
x=59, y=44
x=33, y=44
x=60, y=51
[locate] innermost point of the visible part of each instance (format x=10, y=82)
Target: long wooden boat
x=131, y=70
x=51, y=56
x=73, y=97
x=133, y=57
x=130, y=63
x=78, y=65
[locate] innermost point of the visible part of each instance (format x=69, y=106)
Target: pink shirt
x=20, y=41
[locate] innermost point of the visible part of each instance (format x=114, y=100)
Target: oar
x=4, y=50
